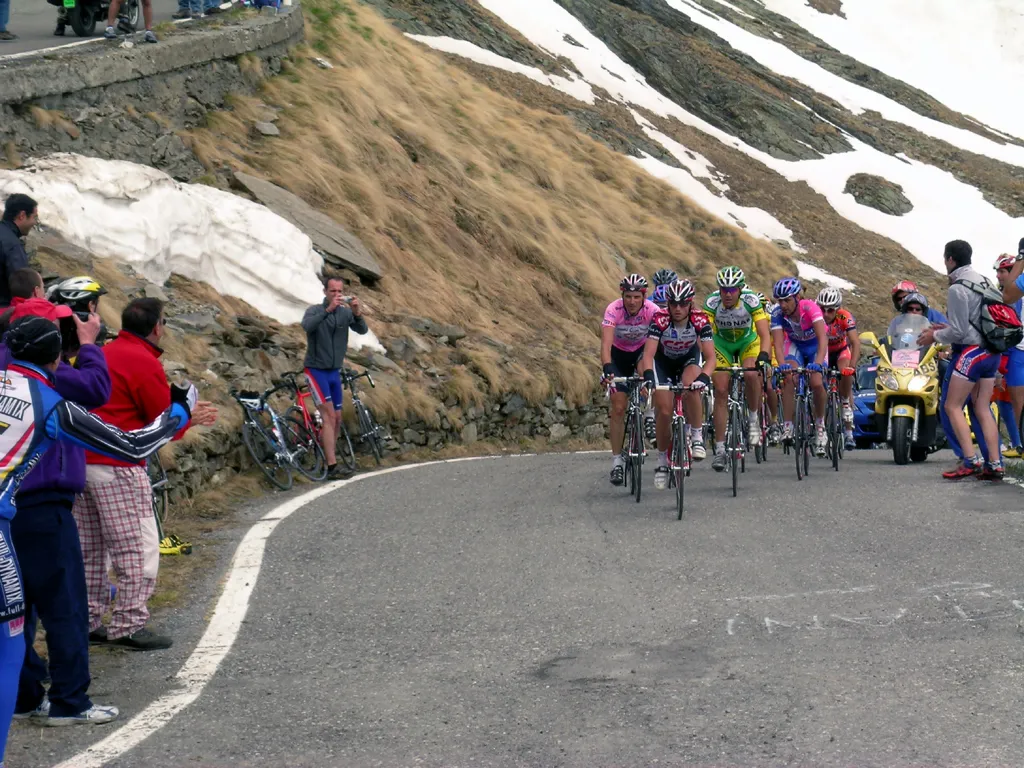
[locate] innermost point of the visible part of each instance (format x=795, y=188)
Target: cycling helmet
x=1006, y=261
x=904, y=286
x=830, y=298
x=658, y=295
x=75, y=291
x=914, y=298
x=730, y=277
x=680, y=291
x=633, y=282
x=664, y=277
x=787, y=287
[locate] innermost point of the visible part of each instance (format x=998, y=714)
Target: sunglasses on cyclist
x=729, y=290
x=680, y=303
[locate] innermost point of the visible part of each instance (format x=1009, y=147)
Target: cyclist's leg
x=623, y=364
x=693, y=405
x=720, y=381
x=841, y=360
x=809, y=351
x=752, y=384
x=320, y=388
x=662, y=406
x=987, y=432
x=793, y=358
x=959, y=389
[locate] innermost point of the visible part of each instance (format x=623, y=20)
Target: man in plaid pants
x=115, y=513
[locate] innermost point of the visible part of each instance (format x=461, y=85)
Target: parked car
x=865, y=431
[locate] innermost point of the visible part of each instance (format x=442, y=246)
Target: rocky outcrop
x=831, y=7
x=339, y=248
x=878, y=193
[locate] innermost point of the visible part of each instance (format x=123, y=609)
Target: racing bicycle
x=277, y=444
x=158, y=483
x=834, y=418
x=634, y=450
x=737, y=429
x=370, y=432
x=679, y=452
x=804, y=433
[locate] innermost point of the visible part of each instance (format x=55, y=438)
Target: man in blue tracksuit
x=46, y=538
x=33, y=417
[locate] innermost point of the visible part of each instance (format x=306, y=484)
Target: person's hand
x=926, y=337
x=88, y=330
x=702, y=381
x=815, y=367
x=356, y=307
x=764, y=360
x=204, y=414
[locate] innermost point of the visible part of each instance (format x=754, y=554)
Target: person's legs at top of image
x=95, y=561
x=947, y=426
x=328, y=397
x=989, y=430
x=32, y=700
x=184, y=10
x=956, y=396
x=5, y=15
x=973, y=375
x=147, y=17
x=1007, y=420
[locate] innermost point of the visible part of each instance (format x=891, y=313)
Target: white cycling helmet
x=680, y=291
x=830, y=298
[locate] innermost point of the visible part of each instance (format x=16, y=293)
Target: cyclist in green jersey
x=741, y=338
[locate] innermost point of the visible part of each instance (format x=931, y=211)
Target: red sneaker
x=962, y=470
x=994, y=472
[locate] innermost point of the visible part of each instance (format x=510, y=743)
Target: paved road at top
x=522, y=612
x=33, y=22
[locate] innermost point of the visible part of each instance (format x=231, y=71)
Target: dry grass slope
x=483, y=212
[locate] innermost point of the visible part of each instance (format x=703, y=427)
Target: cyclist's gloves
x=703, y=380
x=764, y=359
x=609, y=370
x=785, y=367
x=815, y=367
x=649, y=377
x=186, y=395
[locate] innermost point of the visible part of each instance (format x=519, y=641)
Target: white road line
x=220, y=635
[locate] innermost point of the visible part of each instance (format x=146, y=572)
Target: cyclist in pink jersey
x=800, y=337
x=623, y=335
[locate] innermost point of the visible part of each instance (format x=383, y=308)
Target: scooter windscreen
x=901, y=340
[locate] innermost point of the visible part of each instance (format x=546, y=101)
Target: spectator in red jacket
x=115, y=513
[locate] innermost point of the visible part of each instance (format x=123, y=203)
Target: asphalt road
x=522, y=612
x=33, y=22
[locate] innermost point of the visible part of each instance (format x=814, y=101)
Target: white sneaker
x=661, y=478
x=847, y=414
x=697, y=449
x=754, y=433
x=43, y=710
x=94, y=715
x=821, y=442
x=788, y=433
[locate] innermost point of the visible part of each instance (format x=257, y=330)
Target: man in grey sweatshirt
x=326, y=325
x=972, y=371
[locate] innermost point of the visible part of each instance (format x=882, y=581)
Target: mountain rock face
x=875, y=192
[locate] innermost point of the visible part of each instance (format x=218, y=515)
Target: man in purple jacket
x=46, y=538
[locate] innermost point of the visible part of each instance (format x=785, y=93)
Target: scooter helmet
x=664, y=277
x=1006, y=261
x=658, y=295
x=900, y=290
x=830, y=298
x=76, y=292
x=633, y=282
x=679, y=292
x=787, y=287
x=914, y=298
x=730, y=277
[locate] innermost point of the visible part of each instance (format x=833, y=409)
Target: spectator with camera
x=44, y=532
x=20, y=215
x=115, y=512
x=326, y=326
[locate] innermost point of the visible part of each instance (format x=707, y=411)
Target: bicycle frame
x=633, y=406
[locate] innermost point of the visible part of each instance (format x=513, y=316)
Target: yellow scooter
x=907, y=389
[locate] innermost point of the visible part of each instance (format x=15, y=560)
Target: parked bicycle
x=370, y=432
x=634, y=450
x=279, y=445
x=305, y=412
x=170, y=544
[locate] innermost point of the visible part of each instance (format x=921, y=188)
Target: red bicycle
x=305, y=412
x=680, y=454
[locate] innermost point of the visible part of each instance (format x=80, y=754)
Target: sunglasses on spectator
x=915, y=310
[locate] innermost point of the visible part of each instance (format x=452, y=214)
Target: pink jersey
x=800, y=329
x=630, y=332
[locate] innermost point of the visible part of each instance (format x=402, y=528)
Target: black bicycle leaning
x=370, y=432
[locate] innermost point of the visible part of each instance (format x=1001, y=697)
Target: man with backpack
x=979, y=329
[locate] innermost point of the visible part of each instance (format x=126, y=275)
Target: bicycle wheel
x=798, y=439
x=344, y=451
x=627, y=449
x=733, y=448
x=368, y=431
x=835, y=430
x=263, y=450
x=158, y=482
x=810, y=434
x=638, y=445
x=679, y=452
x=708, y=427
x=308, y=455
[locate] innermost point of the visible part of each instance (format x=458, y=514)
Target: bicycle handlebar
x=737, y=369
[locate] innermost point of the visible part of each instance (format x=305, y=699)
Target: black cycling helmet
x=664, y=277
x=33, y=339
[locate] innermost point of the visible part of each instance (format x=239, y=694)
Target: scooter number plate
x=69, y=3
x=906, y=358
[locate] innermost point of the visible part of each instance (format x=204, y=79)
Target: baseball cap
x=39, y=308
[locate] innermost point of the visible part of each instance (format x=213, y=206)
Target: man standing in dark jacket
x=20, y=213
x=326, y=327
x=46, y=538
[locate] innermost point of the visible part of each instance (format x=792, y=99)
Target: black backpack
x=1000, y=326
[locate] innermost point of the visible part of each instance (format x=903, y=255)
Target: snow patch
x=811, y=272
x=578, y=89
x=142, y=217
x=911, y=40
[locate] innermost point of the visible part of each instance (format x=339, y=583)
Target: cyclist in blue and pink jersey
x=800, y=338
x=623, y=335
